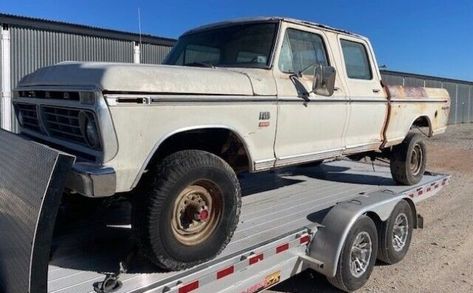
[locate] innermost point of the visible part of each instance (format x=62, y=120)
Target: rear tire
x=356, y=262
x=396, y=233
x=188, y=210
x=408, y=160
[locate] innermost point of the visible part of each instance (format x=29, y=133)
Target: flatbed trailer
x=292, y=219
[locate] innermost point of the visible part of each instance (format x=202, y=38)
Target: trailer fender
x=329, y=239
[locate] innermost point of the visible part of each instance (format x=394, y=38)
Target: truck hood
x=123, y=77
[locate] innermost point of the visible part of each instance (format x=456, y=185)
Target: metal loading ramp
x=274, y=205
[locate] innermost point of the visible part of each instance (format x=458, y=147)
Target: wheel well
x=374, y=216
x=423, y=121
x=377, y=220
x=219, y=141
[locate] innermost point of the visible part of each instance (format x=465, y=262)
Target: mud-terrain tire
x=188, y=210
x=395, y=234
x=362, y=243
x=408, y=160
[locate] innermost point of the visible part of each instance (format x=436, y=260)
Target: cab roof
x=271, y=19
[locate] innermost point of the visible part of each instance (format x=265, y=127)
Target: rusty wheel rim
x=197, y=211
x=417, y=157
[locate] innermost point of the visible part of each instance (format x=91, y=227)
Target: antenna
x=139, y=22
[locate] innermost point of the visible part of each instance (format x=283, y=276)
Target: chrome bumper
x=92, y=180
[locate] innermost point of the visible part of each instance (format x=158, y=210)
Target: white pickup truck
x=248, y=95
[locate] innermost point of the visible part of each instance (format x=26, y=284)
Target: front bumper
x=91, y=180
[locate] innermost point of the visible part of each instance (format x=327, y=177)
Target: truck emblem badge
x=264, y=115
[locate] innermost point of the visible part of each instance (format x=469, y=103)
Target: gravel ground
x=440, y=258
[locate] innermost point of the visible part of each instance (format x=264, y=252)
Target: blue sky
x=419, y=36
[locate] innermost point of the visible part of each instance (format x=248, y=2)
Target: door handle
x=376, y=91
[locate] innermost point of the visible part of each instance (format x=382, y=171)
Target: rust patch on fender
x=399, y=91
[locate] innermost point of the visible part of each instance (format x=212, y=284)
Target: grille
x=29, y=116
x=64, y=124
x=55, y=95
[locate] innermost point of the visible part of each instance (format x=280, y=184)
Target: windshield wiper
x=200, y=64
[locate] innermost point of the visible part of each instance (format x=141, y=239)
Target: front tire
x=188, y=211
x=356, y=262
x=408, y=160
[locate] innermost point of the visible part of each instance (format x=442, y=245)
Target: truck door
x=368, y=101
x=309, y=127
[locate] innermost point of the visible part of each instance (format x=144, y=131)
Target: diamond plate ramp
x=32, y=179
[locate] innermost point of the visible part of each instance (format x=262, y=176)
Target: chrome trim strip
x=309, y=154
x=294, y=159
x=419, y=100
x=262, y=165
x=114, y=99
x=308, y=157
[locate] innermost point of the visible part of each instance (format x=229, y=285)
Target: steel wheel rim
x=197, y=212
x=417, y=157
x=360, y=254
x=400, y=232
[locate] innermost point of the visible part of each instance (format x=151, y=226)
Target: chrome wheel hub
x=360, y=255
x=400, y=232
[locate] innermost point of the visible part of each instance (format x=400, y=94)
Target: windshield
x=247, y=45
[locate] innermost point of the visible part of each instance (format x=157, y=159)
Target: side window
x=356, y=60
x=300, y=50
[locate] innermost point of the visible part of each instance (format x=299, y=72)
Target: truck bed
x=274, y=203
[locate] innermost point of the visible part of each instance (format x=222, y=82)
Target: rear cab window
x=357, y=63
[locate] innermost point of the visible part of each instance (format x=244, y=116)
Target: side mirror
x=324, y=80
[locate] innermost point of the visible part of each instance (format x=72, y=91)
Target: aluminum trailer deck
x=280, y=210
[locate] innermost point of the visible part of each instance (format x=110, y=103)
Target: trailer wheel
x=189, y=210
x=408, y=160
x=396, y=234
x=356, y=262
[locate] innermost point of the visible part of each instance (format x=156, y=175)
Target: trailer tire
x=188, y=211
x=362, y=234
x=401, y=223
x=408, y=160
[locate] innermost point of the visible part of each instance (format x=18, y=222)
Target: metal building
x=461, y=92
x=27, y=44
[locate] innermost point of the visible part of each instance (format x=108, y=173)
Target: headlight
x=89, y=130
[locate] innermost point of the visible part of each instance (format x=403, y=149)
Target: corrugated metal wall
x=152, y=54
x=32, y=49
x=461, y=93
